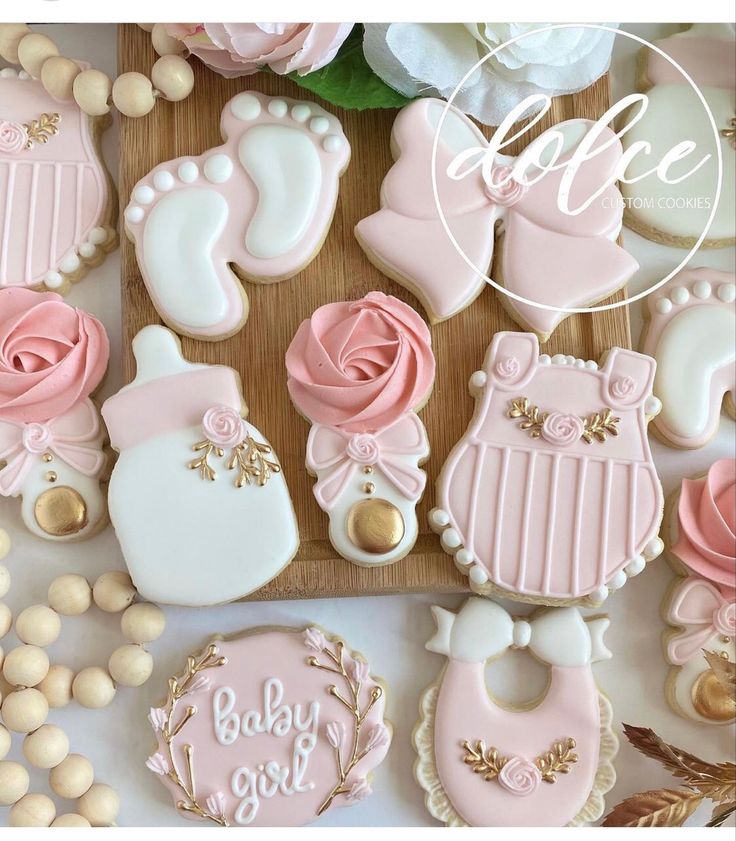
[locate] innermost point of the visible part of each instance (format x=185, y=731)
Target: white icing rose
x=362, y=448
x=37, y=437
x=13, y=138
x=519, y=776
x=724, y=619
x=561, y=430
x=223, y=426
x=502, y=189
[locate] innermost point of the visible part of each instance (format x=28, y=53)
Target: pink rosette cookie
x=360, y=371
x=52, y=358
x=545, y=762
x=701, y=607
x=274, y=727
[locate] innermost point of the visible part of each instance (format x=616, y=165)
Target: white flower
x=215, y=803
x=314, y=639
x=158, y=764
x=335, y=732
x=431, y=59
x=520, y=777
x=157, y=717
x=378, y=737
x=359, y=790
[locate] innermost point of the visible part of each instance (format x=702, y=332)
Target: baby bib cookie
x=360, y=371
x=547, y=763
x=197, y=496
x=261, y=203
x=551, y=496
x=270, y=728
x=676, y=213
x=542, y=254
x=700, y=606
x=52, y=358
x=58, y=205
x=691, y=332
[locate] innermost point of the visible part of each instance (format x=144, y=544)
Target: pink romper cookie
x=543, y=254
x=270, y=728
x=551, y=496
x=52, y=358
x=546, y=763
x=57, y=201
x=262, y=202
x=360, y=371
x=701, y=607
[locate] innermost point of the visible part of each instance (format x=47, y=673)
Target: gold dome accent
x=711, y=699
x=375, y=526
x=61, y=511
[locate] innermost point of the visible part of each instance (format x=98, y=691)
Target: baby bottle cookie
x=548, y=763
x=52, y=358
x=197, y=497
x=270, y=728
x=57, y=200
x=700, y=607
x=551, y=496
x=360, y=371
x=262, y=203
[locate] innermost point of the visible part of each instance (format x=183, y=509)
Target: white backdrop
x=391, y=631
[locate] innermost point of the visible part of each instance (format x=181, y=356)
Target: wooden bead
x=91, y=92
x=58, y=75
x=146, y=27
x=173, y=76
x=57, y=686
x=130, y=665
x=143, y=622
x=132, y=94
x=38, y=625
x=14, y=782
x=4, y=544
x=165, y=44
x=70, y=595
x=47, y=747
x=33, y=51
x=6, y=619
x=70, y=819
x=100, y=805
x=26, y=665
x=25, y=710
x=93, y=688
x=11, y=34
x=4, y=741
x=4, y=575
x=113, y=591
x=72, y=777
x=33, y=810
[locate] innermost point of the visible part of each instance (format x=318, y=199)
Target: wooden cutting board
x=339, y=272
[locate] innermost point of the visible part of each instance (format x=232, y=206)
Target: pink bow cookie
x=702, y=611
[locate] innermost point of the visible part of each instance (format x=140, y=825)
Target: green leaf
x=348, y=81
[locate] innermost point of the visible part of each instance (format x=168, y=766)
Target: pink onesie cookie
x=57, y=202
x=543, y=254
x=52, y=358
x=551, y=496
x=546, y=763
x=360, y=371
x=691, y=332
x=701, y=607
x=270, y=728
x=262, y=203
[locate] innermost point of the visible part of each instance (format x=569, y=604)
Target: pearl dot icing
x=332, y=143
x=301, y=112
x=97, y=236
x=680, y=295
x=163, y=180
x=319, y=125
x=246, y=106
x=277, y=108
x=727, y=292
x=53, y=280
x=478, y=575
x=188, y=172
x=133, y=213
x=701, y=289
x=218, y=168
x=70, y=263
x=144, y=194
x=663, y=306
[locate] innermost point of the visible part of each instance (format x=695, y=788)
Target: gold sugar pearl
x=369, y=487
x=368, y=469
x=51, y=476
x=48, y=457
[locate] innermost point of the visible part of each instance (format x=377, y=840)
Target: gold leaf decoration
x=557, y=760
x=201, y=463
x=483, y=761
x=40, y=130
x=533, y=419
x=658, y=807
x=724, y=670
x=596, y=427
x=489, y=762
x=249, y=458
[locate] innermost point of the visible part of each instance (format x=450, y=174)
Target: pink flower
x=37, y=437
x=199, y=684
x=240, y=49
x=223, y=426
x=378, y=737
x=520, y=777
x=13, y=138
x=562, y=430
x=623, y=388
x=359, y=671
x=359, y=790
x=508, y=368
x=158, y=764
x=314, y=639
x=363, y=448
x=724, y=619
x=215, y=803
x=157, y=717
x=335, y=732
x=502, y=188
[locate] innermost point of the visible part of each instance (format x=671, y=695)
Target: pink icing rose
x=519, y=776
x=52, y=356
x=623, y=388
x=706, y=515
x=240, y=49
x=223, y=426
x=508, y=368
x=360, y=365
x=363, y=448
x=562, y=430
x=724, y=619
x=502, y=189
x=13, y=138
x=37, y=437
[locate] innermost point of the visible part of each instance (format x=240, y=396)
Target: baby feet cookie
x=270, y=728
x=691, y=332
x=360, y=371
x=546, y=763
x=58, y=207
x=700, y=607
x=197, y=497
x=542, y=254
x=551, y=496
x=675, y=212
x=262, y=203
x=52, y=358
